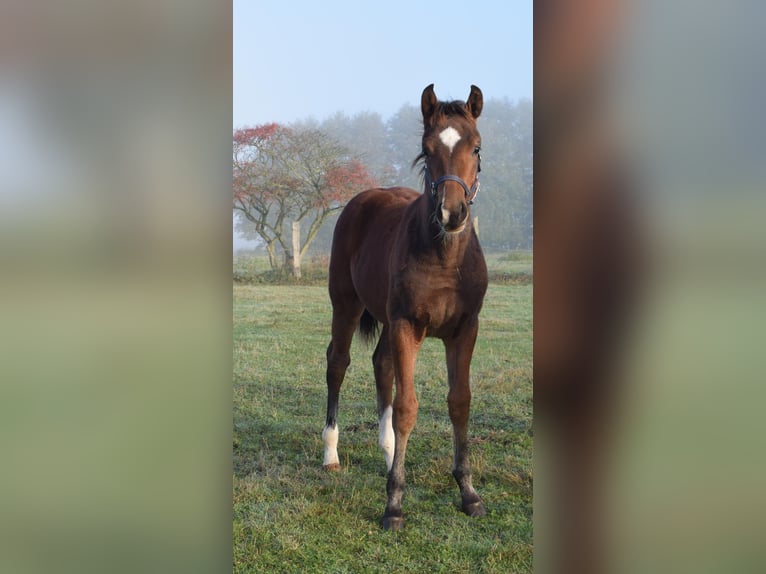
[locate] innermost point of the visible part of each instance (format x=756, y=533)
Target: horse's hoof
x=334, y=467
x=474, y=509
x=392, y=522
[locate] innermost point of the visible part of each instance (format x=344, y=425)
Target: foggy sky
x=294, y=60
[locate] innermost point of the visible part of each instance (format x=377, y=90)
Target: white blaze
x=449, y=137
x=386, y=439
x=330, y=438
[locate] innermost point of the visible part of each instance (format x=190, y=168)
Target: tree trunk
x=272, y=254
x=297, y=249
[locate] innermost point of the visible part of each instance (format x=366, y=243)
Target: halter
x=470, y=193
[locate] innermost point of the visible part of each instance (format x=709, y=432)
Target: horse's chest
x=438, y=304
x=441, y=313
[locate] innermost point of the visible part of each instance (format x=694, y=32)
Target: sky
x=299, y=59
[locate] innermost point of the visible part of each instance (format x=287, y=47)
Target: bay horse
x=412, y=262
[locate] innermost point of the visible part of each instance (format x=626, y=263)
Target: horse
x=412, y=263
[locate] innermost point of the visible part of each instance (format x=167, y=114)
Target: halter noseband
x=470, y=193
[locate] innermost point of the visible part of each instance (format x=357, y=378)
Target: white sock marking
x=449, y=137
x=386, y=439
x=330, y=438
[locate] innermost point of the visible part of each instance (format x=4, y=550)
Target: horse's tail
x=368, y=327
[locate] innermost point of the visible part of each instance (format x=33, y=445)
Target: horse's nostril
x=459, y=216
x=456, y=218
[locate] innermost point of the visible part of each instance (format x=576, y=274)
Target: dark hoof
x=474, y=509
x=392, y=522
x=334, y=467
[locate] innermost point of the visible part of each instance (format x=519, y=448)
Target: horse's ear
x=428, y=103
x=475, y=102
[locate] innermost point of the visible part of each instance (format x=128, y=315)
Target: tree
x=284, y=175
x=365, y=133
x=505, y=200
x=404, y=134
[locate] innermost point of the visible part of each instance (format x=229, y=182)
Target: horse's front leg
x=405, y=340
x=459, y=351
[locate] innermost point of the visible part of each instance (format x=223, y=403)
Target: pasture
x=290, y=515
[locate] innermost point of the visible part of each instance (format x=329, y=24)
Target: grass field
x=292, y=516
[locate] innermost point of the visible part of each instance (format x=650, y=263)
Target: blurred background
x=115, y=243
x=649, y=287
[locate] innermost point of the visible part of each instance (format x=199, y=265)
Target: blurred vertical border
x=115, y=297
x=650, y=286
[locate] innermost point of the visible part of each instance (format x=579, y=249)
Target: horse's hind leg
x=459, y=352
x=384, y=381
x=345, y=317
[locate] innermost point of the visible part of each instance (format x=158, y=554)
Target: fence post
x=297, y=249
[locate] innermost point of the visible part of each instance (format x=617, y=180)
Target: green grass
x=511, y=268
x=292, y=516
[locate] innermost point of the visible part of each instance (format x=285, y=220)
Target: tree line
x=290, y=182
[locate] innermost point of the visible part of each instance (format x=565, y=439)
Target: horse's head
x=450, y=154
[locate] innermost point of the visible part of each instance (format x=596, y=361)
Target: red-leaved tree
x=300, y=176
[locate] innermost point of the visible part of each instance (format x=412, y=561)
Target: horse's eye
x=477, y=149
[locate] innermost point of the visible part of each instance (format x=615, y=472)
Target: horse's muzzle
x=453, y=220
